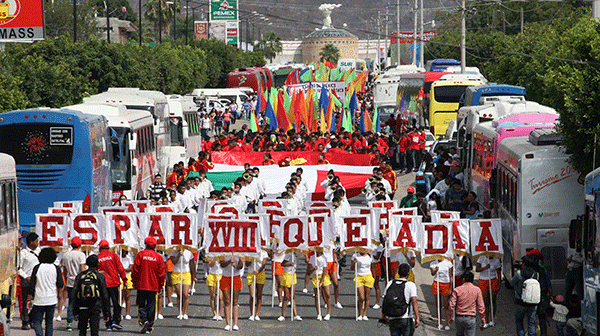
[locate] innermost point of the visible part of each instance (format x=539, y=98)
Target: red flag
x=263, y=100
x=282, y=119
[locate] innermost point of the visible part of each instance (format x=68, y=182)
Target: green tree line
x=557, y=60
x=59, y=72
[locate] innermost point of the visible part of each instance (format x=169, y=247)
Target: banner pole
x=318, y=288
x=356, y=287
x=490, y=285
x=252, y=310
x=181, y=286
x=273, y=278
x=439, y=313
x=218, y=292
x=292, y=289
x=231, y=299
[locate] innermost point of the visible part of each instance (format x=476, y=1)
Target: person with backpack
x=46, y=280
x=466, y=301
x=545, y=291
x=400, y=309
x=73, y=262
x=112, y=268
x=148, y=276
x=527, y=295
x=90, y=298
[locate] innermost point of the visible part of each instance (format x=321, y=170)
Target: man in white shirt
x=72, y=263
x=262, y=187
x=444, y=185
x=238, y=199
x=404, y=325
x=27, y=261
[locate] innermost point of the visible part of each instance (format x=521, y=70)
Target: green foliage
x=59, y=72
x=270, y=45
x=558, y=64
x=330, y=53
x=58, y=15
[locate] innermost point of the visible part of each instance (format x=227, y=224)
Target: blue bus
x=474, y=94
x=60, y=155
x=586, y=231
x=440, y=65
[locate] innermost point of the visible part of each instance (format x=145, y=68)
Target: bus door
x=553, y=243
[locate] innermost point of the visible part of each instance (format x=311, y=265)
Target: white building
x=118, y=29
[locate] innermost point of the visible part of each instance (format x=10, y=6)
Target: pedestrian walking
x=466, y=301
x=184, y=274
x=73, y=262
x=560, y=314
x=400, y=309
x=525, y=308
x=256, y=279
x=46, y=280
x=148, y=275
x=110, y=265
x=28, y=258
x=212, y=282
x=90, y=298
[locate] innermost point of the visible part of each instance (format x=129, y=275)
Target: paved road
x=342, y=322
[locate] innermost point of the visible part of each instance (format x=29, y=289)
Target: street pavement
x=342, y=321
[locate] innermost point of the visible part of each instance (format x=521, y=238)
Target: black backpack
x=394, y=301
x=88, y=292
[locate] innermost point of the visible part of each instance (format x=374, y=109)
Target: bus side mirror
x=185, y=132
x=575, y=232
x=134, y=167
x=132, y=141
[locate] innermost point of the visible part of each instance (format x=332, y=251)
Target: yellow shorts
x=364, y=280
x=261, y=278
x=176, y=278
x=286, y=279
x=129, y=282
x=213, y=280
x=411, y=276
x=326, y=281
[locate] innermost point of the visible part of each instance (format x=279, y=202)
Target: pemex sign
x=223, y=10
x=21, y=20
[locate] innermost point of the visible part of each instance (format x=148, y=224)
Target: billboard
x=223, y=10
x=201, y=30
x=218, y=30
x=407, y=37
x=21, y=20
x=232, y=32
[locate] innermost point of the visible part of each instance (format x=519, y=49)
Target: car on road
x=429, y=140
x=446, y=144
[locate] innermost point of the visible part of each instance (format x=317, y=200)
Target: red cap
x=410, y=190
x=76, y=242
x=534, y=252
x=103, y=244
x=150, y=241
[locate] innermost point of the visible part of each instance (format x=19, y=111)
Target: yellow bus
x=9, y=231
x=444, y=98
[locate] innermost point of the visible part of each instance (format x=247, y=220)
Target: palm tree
x=270, y=45
x=330, y=53
x=154, y=7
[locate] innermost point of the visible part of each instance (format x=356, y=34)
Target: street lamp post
x=159, y=21
x=74, y=20
x=140, y=20
x=186, y=21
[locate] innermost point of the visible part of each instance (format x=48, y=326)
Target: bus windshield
x=121, y=159
x=176, y=126
x=449, y=94
x=38, y=143
x=386, y=110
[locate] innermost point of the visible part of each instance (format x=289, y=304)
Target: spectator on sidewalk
x=466, y=301
x=406, y=324
x=523, y=310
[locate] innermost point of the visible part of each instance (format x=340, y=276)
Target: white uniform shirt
x=443, y=273
x=363, y=264
x=215, y=269
x=491, y=272
x=289, y=258
x=28, y=259
x=318, y=262
x=401, y=259
x=236, y=272
x=183, y=265
x=255, y=265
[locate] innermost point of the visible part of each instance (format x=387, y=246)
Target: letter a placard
x=486, y=238
x=460, y=235
x=406, y=234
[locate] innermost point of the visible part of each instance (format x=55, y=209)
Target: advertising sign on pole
x=21, y=20
x=232, y=32
x=223, y=10
x=201, y=30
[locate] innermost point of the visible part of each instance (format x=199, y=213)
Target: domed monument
x=312, y=44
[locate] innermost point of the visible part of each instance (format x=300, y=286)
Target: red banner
x=256, y=158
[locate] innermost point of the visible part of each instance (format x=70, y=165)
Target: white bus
x=237, y=95
x=133, y=147
x=185, y=142
x=9, y=233
x=538, y=195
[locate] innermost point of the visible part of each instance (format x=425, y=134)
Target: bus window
x=555, y=261
x=32, y=144
x=449, y=94
x=176, y=127
x=152, y=141
x=121, y=165
x=13, y=223
x=3, y=208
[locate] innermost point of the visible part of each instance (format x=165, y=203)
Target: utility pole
x=463, y=38
x=422, y=44
x=74, y=20
x=107, y=22
x=414, y=53
x=187, y=6
x=368, y=44
x=398, y=31
x=140, y=20
x=159, y=21
x=521, y=11
x=379, y=40
x=387, y=33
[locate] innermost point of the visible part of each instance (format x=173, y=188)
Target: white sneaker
x=359, y=318
x=193, y=290
x=256, y=318
x=281, y=319
x=160, y=317
x=280, y=304
x=376, y=306
x=440, y=327
x=319, y=318
x=365, y=318
x=327, y=317
x=57, y=318
x=236, y=328
x=219, y=318
x=170, y=304
x=447, y=328
x=491, y=324
x=185, y=317
x=123, y=305
x=338, y=305
x=485, y=326
x=251, y=318
x=227, y=328
x=297, y=318
x=305, y=291
x=128, y=317
x=179, y=317
x=215, y=317
x=173, y=295
x=275, y=294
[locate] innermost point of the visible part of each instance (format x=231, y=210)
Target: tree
x=58, y=15
x=270, y=45
x=168, y=12
x=330, y=53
